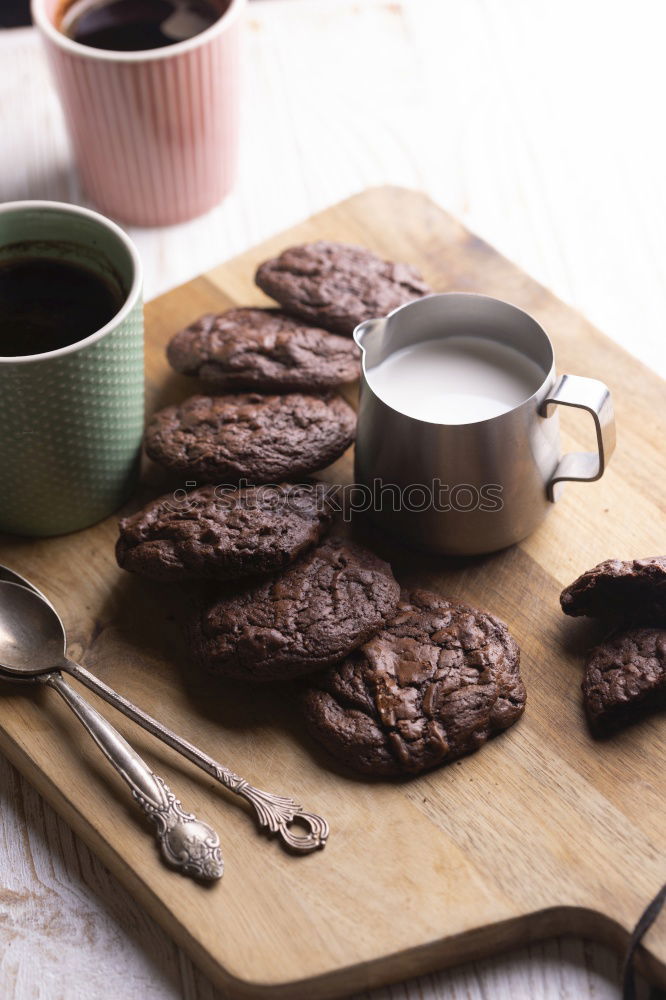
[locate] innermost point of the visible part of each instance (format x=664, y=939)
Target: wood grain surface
x=543, y=831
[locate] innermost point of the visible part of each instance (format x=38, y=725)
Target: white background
x=541, y=125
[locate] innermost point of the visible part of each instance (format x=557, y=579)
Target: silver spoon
x=275, y=812
x=11, y=576
x=27, y=637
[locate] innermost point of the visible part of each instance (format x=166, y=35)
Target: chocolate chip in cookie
x=437, y=682
x=318, y=610
x=631, y=592
x=224, y=533
x=625, y=678
x=263, y=350
x=336, y=285
x=260, y=438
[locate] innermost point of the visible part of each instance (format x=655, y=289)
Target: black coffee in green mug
x=48, y=302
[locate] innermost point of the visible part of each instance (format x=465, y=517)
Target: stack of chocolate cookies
x=400, y=683
x=625, y=675
x=275, y=412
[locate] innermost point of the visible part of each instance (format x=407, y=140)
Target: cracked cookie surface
x=263, y=349
x=260, y=438
x=438, y=681
x=625, y=677
x=633, y=591
x=223, y=533
x=336, y=285
x=318, y=610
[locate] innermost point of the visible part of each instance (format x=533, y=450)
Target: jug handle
x=594, y=396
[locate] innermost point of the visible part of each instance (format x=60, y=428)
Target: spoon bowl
x=8, y=575
x=32, y=638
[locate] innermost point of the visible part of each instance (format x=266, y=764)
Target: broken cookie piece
x=625, y=678
x=633, y=592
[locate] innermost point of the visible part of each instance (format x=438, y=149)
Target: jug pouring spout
x=364, y=332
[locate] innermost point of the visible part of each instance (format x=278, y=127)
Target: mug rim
x=547, y=378
x=131, y=298
x=46, y=25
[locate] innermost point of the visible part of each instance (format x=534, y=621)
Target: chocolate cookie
x=633, y=591
x=337, y=286
x=437, y=682
x=315, y=613
x=625, y=677
x=265, y=350
x=223, y=533
x=263, y=439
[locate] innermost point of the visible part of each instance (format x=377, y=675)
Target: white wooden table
x=541, y=126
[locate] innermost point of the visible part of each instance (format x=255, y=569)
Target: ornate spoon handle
x=274, y=812
x=186, y=843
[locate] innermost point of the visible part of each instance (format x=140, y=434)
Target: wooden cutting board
x=544, y=831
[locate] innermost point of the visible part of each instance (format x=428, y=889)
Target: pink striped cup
x=155, y=133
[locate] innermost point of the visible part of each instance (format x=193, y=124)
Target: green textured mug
x=71, y=420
